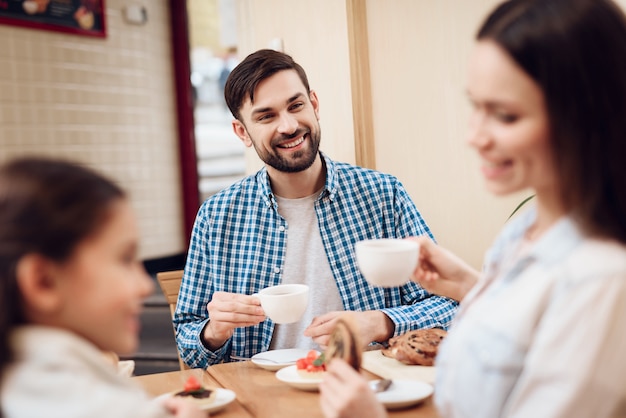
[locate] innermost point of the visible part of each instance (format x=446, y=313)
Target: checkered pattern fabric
x=238, y=245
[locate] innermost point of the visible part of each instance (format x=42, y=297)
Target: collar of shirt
x=330, y=188
x=503, y=261
x=557, y=241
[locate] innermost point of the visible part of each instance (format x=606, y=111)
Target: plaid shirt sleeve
x=190, y=317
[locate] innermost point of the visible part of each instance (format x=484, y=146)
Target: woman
x=71, y=287
x=541, y=332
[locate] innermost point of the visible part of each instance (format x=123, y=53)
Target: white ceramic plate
x=404, y=393
x=290, y=376
x=223, y=397
x=277, y=359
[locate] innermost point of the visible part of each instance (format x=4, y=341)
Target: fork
x=269, y=360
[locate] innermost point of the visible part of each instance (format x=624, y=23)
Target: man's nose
x=287, y=124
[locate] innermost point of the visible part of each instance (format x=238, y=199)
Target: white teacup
x=387, y=262
x=284, y=303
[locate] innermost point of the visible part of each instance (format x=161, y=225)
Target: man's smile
x=292, y=144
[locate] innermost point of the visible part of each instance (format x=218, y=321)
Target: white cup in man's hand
x=284, y=303
x=387, y=262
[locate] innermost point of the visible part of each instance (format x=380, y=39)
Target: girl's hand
x=181, y=408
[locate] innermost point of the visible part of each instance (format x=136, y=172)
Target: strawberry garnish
x=192, y=385
x=313, y=362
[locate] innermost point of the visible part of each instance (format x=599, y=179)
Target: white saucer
x=404, y=393
x=222, y=398
x=277, y=359
x=290, y=376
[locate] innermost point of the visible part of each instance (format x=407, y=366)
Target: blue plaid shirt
x=239, y=241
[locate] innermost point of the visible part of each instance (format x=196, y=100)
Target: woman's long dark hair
x=575, y=50
x=46, y=207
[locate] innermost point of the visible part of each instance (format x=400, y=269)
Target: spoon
x=380, y=385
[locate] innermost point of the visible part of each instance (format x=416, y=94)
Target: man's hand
x=228, y=311
x=370, y=326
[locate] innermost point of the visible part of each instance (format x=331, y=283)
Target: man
x=295, y=221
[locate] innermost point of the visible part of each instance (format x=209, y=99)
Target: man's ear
x=315, y=103
x=38, y=285
x=240, y=130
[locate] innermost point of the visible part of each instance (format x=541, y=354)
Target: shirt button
x=281, y=228
x=276, y=270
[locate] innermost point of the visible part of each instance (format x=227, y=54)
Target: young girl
x=70, y=287
x=541, y=333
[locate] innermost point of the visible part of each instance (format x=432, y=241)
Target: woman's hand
x=441, y=272
x=344, y=393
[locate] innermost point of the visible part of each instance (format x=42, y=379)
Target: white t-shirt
x=306, y=263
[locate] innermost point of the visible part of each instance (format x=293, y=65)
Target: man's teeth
x=293, y=144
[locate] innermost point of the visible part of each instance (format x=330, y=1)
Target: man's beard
x=298, y=161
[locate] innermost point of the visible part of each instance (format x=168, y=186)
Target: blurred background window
x=213, y=54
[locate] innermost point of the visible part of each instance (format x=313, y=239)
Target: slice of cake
x=343, y=343
x=196, y=393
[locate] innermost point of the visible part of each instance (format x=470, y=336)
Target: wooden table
x=260, y=394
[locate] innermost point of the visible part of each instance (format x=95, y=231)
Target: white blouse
x=58, y=374
x=543, y=334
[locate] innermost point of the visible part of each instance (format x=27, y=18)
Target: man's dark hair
x=256, y=67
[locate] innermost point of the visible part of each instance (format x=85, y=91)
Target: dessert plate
x=222, y=399
x=290, y=376
x=277, y=359
x=404, y=393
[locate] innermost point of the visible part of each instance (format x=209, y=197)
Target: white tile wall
x=105, y=102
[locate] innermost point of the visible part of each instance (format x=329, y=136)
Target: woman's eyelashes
x=505, y=117
x=493, y=110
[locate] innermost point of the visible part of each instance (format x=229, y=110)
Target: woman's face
x=103, y=284
x=509, y=125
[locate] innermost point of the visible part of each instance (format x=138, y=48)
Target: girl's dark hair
x=47, y=207
x=575, y=50
x=256, y=67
